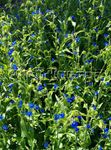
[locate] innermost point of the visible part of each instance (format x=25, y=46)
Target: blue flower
x=53, y=59
x=29, y=113
x=62, y=115
x=36, y=107
x=46, y=144
x=33, y=13
x=12, y=101
x=100, y=148
x=94, y=44
x=73, y=18
x=106, y=43
x=10, y=85
x=31, y=105
x=90, y=83
x=42, y=110
x=62, y=74
x=1, y=117
x=20, y=104
x=88, y=126
x=79, y=117
x=69, y=100
x=74, y=124
x=96, y=29
x=40, y=88
x=77, y=39
x=55, y=86
x=13, y=43
x=96, y=93
x=56, y=117
x=0, y=83
x=77, y=87
x=106, y=130
x=107, y=83
x=94, y=107
x=76, y=129
x=14, y=67
x=5, y=127
x=109, y=118
x=10, y=52
x=105, y=35
x=11, y=59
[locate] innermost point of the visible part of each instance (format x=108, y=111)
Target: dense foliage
x=55, y=75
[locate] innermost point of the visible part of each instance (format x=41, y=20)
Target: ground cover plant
x=55, y=75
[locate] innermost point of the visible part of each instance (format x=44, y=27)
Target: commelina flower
x=40, y=88
x=5, y=127
x=10, y=85
x=14, y=67
x=20, y=104
x=31, y=105
x=0, y=83
x=100, y=148
x=88, y=126
x=28, y=113
x=1, y=117
x=10, y=52
x=55, y=86
x=46, y=144
x=13, y=43
x=74, y=125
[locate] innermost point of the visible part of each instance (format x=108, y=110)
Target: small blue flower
x=76, y=129
x=100, y=148
x=53, y=59
x=46, y=144
x=94, y=107
x=73, y=18
x=105, y=35
x=106, y=43
x=5, y=127
x=10, y=85
x=77, y=39
x=33, y=13
x=94, y=44
x=14, y=67
x=36, y=107
x=79, y=117
x=0, y=83
x=62, y=74
x=11, y=59
x=74, y=124
x=109, y=118
x=42, y=110
x=106, y=130
x=29, y=113
x=62, y=115
x=56, y=117
x=69, y=100
x=44, y=74
x=96, y=29
x=1, y=117
x=13, y=43
x=40, y=88
x=107, y=83
x=90, y=83
x=77, y=87
x=55, y=86
x=10, y=52
x=31, y=105
x=12, y=101
x=96, y=93
x=88, y=126
x=20, y=104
